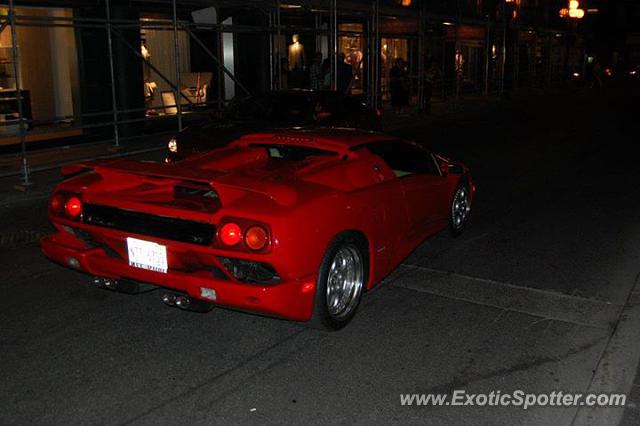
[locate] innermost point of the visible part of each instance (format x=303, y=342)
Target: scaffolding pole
x=176, y=58
x=278, y=50
x=375, y=56
x=333, y=29
x=421, y=57
x=112, y=74
x=487, y=55
x=271, y=54
x=26, y=183
x=503, y=49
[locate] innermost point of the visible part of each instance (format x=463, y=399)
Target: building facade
x=116, y=69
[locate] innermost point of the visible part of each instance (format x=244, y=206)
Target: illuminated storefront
x=159, y=63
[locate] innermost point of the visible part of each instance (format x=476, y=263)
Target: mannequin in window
x=296, y=54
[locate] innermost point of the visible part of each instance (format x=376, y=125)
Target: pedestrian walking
x=398, y=85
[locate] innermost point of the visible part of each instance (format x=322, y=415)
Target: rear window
x=293, y=152
x=404, y=158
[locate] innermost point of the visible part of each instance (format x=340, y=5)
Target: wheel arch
x=362, y=237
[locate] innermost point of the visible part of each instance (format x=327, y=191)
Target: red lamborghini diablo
x=295, y=224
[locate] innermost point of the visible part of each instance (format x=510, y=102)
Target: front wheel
x=460, y=208
x=341, y=281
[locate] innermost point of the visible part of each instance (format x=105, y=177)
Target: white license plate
x=147, y=255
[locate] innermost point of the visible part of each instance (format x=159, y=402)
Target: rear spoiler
x=282, y=194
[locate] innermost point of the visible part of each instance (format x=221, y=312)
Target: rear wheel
x=460, y=208
x=341, y=281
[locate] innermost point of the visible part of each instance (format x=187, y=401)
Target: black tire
x=322, y=317
x=457, y=225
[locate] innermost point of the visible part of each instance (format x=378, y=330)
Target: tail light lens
x=256, y=238
x=73, y=206
x=66, y=204
x=240, y=234
x=230, y=234
x=57, y=203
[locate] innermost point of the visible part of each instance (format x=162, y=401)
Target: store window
x=157, y=47
x=391, y=51
x=48, y=75
x=351, y=45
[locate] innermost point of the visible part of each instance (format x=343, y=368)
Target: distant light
x=576, y=13
x=574, y=4
x=447, y=23
x=406, y=3
x=173, y=145
x=290, y=6
x=576, y=74
x=593, y=10
x=634, y=72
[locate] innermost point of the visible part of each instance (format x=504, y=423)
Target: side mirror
x=444, y=168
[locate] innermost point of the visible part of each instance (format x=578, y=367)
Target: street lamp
x=573, y=11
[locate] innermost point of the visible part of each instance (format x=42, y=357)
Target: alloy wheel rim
x=344, y=282
x=461, y=207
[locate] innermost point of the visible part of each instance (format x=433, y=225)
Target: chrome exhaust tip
x=186, y=303
x=169, y=299
x=122, y=285
x=183, y=302
x=98, y=282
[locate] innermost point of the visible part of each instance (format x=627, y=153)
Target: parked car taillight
x=66, y=204
x=230, y=234
x=73, y=206
x=256, y=238
x=253, y=236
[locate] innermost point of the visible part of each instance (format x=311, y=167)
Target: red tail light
x=256, y=238
x=230, y=234
x=57, y=203
x=73, y=206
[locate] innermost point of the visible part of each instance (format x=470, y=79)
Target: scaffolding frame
x=330, y=10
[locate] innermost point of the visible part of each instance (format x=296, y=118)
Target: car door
x=425, y=190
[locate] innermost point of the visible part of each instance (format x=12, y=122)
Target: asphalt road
x=534, y=296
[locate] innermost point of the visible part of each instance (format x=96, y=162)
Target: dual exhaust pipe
x=122, y=286
x=185, y=302
x=172, y=299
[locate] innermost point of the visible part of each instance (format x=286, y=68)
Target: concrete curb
x=617, y=366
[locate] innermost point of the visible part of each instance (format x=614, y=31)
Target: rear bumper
x=292, y=300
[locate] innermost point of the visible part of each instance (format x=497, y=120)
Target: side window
x=404, y=158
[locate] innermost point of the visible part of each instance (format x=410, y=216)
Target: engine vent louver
x=169, y=228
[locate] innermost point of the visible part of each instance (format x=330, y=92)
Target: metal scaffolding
x=328, y=12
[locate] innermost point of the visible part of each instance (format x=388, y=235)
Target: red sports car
x=295, y=224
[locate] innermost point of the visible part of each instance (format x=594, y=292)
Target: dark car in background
x=275, y=110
